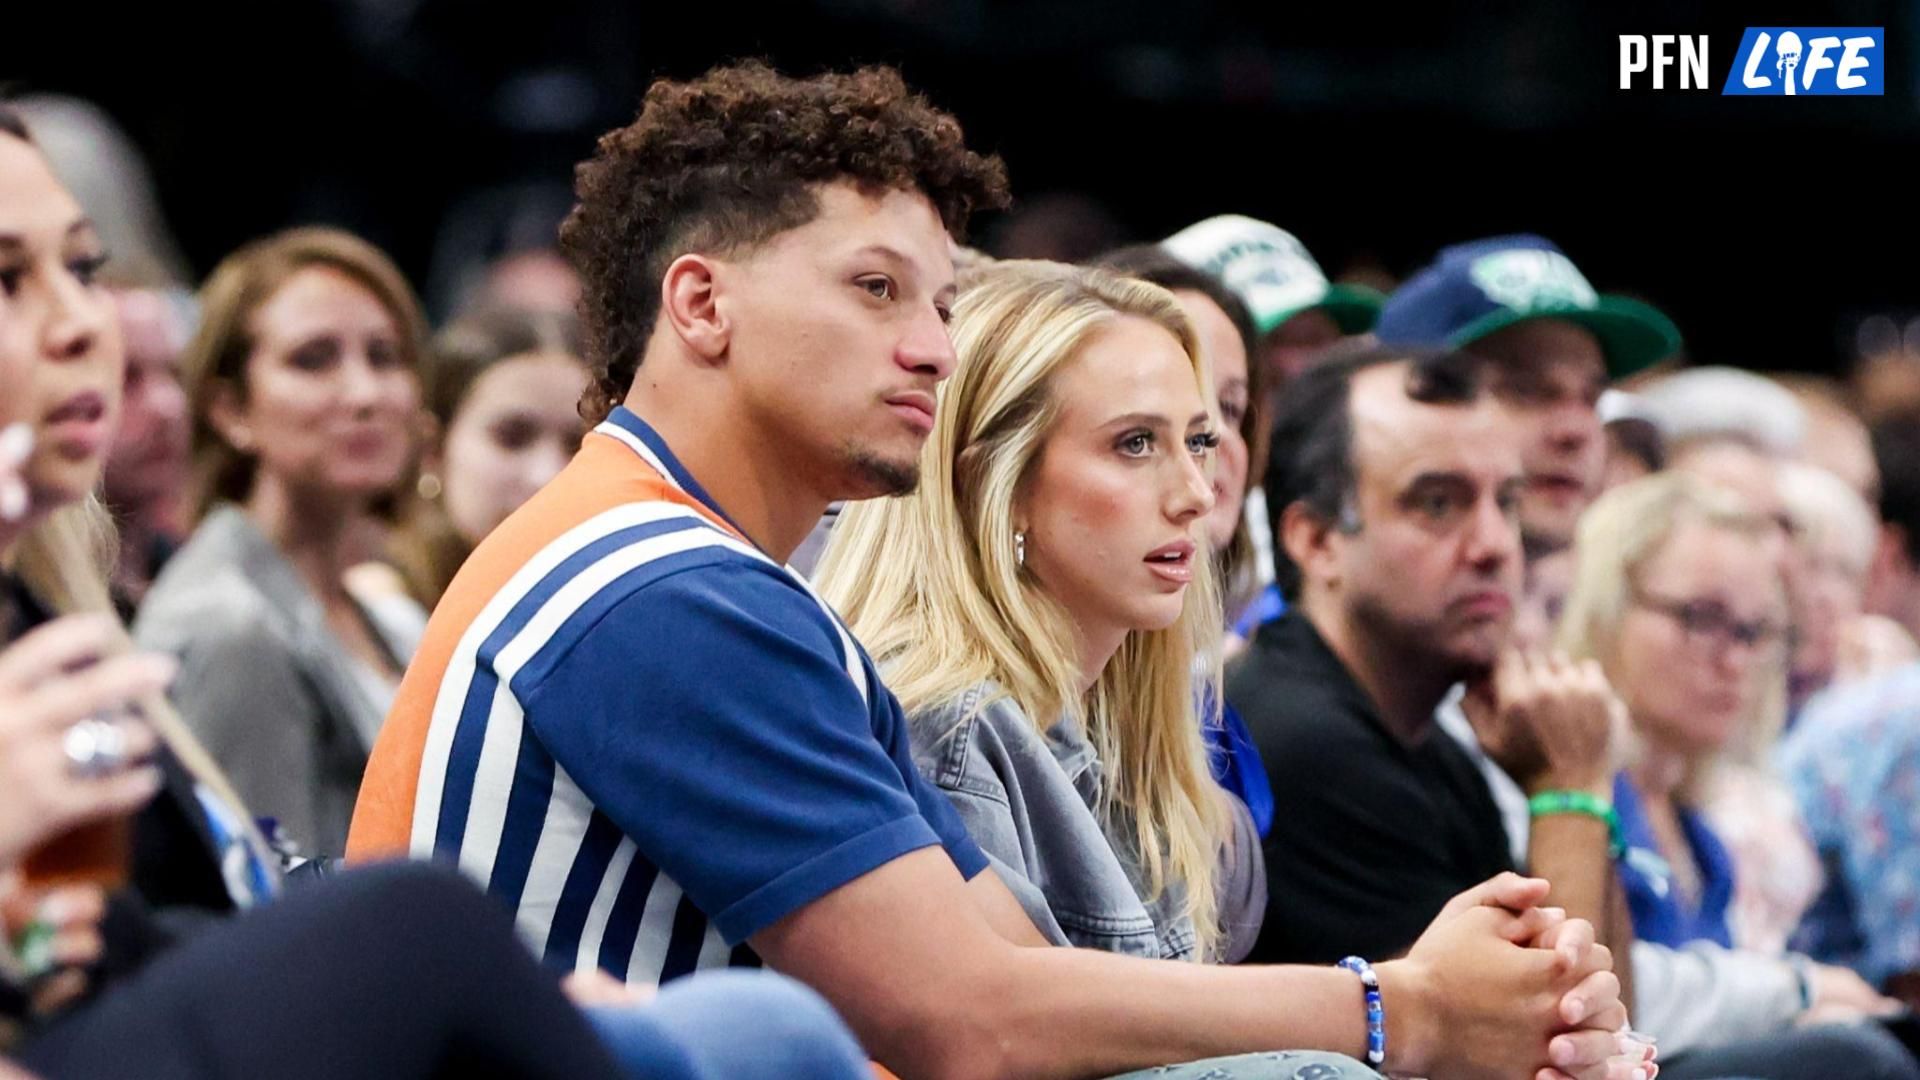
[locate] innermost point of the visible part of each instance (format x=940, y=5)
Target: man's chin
x=875, y=477
x=1475, y=651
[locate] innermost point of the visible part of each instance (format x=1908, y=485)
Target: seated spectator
x=1395, y=481
x=1554, y=343
x=1679, y=597
x=305, y=391
x=1852, y=761
x=1835, y=438
x=701, y=765
x=1239, y=401
x=146, y=480
x=395, y=973
x=1836, y=531
x=1050, y=693
x=1384, y=813
x=504, y=389
x=1298, y=314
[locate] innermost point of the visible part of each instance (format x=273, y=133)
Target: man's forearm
x=1571, y=852
x=1070, y=1022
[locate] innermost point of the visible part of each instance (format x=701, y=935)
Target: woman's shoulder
x=984, y=708
x=972, y=739
x=203, y=594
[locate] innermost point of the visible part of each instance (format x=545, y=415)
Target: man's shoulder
x=1287, y=679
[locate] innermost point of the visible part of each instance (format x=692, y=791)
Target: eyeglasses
x=1708, y=622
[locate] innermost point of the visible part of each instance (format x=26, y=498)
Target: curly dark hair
x=728, y=161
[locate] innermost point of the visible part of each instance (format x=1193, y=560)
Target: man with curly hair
x=656, y=745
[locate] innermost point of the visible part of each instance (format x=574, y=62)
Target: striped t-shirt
x=640, y=733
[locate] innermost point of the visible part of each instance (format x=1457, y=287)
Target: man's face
x=838, y=337
x=1434, y=568
x=147, y=463
x=1548, y=374
x=1296, y=345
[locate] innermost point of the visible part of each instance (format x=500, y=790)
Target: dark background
x=1766, y=227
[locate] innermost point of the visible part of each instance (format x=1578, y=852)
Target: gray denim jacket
x=1028, y=800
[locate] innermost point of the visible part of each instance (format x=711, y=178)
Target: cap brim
x=1353, y=308
x=1632, y=335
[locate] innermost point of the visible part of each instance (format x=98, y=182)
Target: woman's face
x=517, y=427
x=1704, y=630
x=1834, y=591
x=60, y=359
x=1227, y=355
x=1114, y=508
x=331, y=406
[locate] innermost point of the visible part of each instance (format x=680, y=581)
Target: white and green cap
x=1270, y=269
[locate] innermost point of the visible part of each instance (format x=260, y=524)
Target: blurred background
x=1777, y=233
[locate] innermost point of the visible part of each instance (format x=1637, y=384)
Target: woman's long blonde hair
x=931, y=583
x=1624, y=530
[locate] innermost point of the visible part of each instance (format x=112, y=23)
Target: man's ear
x=690, y=305
x=1310, y=541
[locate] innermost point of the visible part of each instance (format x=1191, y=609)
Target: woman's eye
x=1137, y=444
x=1202, y=444
x=87, y=268
x=880, y=288
x=383, y=354
x=515, y=435
x=314, y=356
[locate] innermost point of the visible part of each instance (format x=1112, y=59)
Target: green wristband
x=1586, y=803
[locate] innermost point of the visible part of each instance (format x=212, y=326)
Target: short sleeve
x=710, y=715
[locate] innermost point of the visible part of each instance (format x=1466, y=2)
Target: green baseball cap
x=1272, y=272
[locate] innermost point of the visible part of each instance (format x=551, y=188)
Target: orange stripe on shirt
x=605, y=474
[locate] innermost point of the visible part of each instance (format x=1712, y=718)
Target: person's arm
x=1003, y=911
x=933, y=990
x=775, y=797
x=1550, y=724
x=62, y=673
x=1573, y=852
x=1703, y=996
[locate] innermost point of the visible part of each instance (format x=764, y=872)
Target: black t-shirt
x=1370, y=837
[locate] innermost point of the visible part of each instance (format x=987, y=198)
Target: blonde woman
x=1677, y=593
x=1038, y=603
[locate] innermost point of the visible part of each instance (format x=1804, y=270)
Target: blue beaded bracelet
x=1376, y=1012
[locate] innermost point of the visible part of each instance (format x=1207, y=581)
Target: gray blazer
x=278, y=700
x=1029, y=801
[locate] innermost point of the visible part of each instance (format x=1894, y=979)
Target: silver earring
x=428, y=486
x=1020, y=548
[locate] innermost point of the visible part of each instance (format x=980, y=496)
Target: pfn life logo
x=1780, y=61
x=1809, y=60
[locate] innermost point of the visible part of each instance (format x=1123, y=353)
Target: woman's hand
x=56, y=932
x=57, y=677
